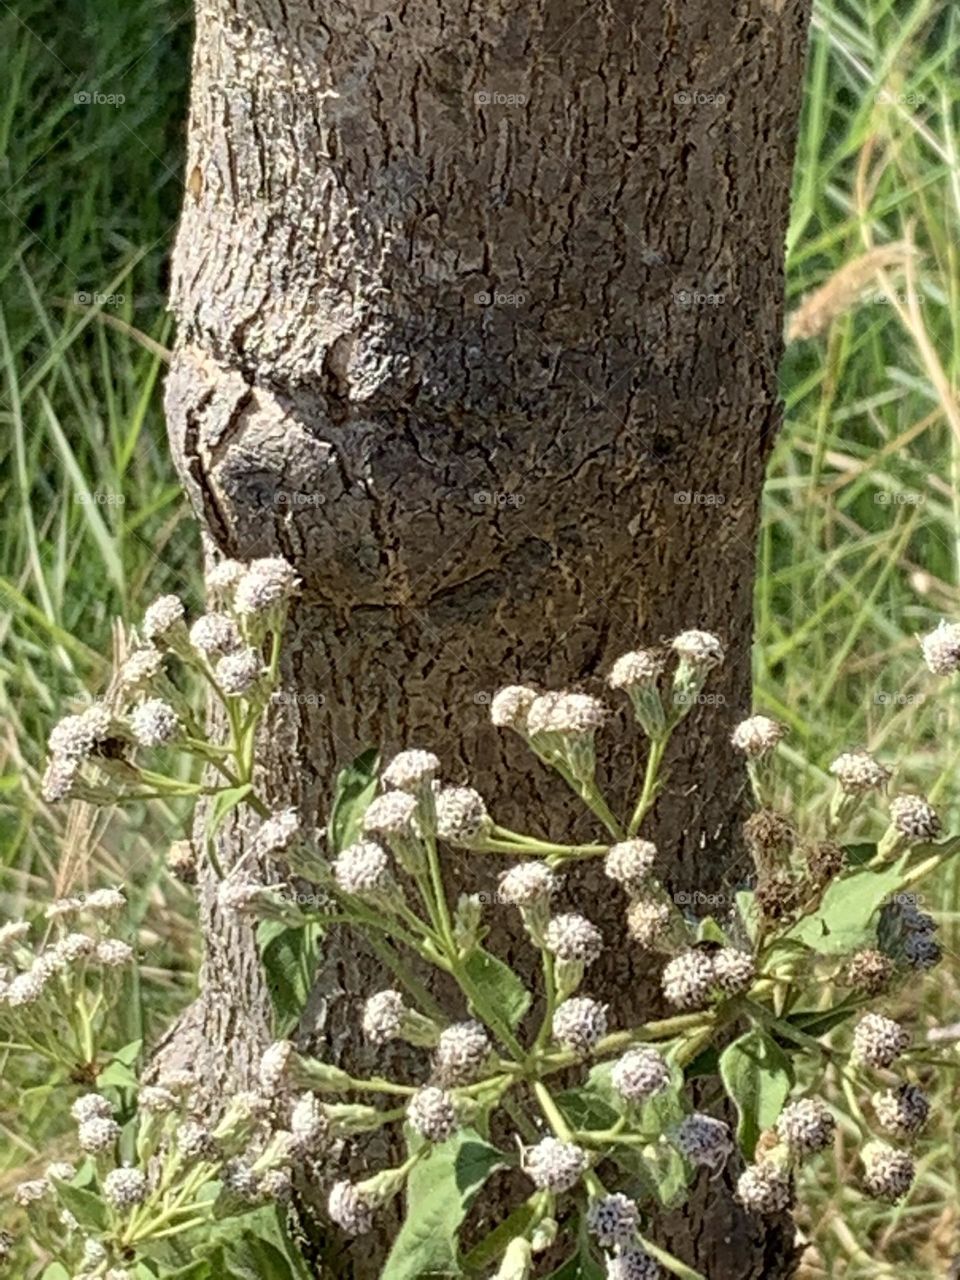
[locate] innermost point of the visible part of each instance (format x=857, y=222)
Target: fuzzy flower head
x=222, y=578
x=869, y=971
x=878, y=1041
x=914, y=819
x=97, y=1135
x=806, y=1126
x=641, y=668
x=757, y=736
x=363, y=869
x=555, y=1166
x=350, y=1209
x=573, y=938
x=278, y=832
x=12, y=932
x=613, y=1220
x=527, y=884
x=888, y=1173
x=630, y=862
x=640, y=1074
x=153, y=1099
x=432, y=1114
x=462, y=818
x=688, y=979
x=902, y=1111
x=76, y=737
x=698, y=649
x=734, y=971
x=125, y=1188
x=90, y=1106
x=237, y=673
x=579, y=1023
x=765, y=1188
x=573, y=715
x=941, y=648
x=265, y=584
x=154, y=723
x=510, y=707
x=633, y=1263
x=857, y=773
x=703, y=1140
x=214, y=634
x=163, y=619
x=647, y=921
x=383, y=1017
x=104, y=901
x=392, y=816
x=411, y=771
x=114, y=953
x=60, y=779
x=462, y=1053
x=140, y=669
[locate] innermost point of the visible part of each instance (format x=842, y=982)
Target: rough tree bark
x=471, y=297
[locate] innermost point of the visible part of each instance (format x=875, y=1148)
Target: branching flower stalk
x=758, y=984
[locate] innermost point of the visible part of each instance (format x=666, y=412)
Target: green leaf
x=582, y=1266
x=354, y=789
x=86, y=1206
x=749, y=914
x=709, y=931
x=842, y=922
x=56, y=1271
x=289, y=957
x=493, y=1245
x=758, y=1077
x=509, y=996
x=817, y=1022
x=253, y=1246
x=440, y=1190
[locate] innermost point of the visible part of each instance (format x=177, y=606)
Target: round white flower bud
x=510, y=707
x=757, y=735
x=573, y=938
x=613, y=1220
x=555, y=1166
x=349, y=1209
x=432, y=1114
x=104, y=901
x=902, y=1111
x=527, y=884
x=888, y=1173
x=222, y=578
x=98, y=1134
x=571, y=714
x=214, y=634
x=91, y=1106
x=75, y=737
x=155, y=1100
x=266, y=583
x=639, y=1074
x=237, y=673
x=630, y=862
x=765, y=1188
x=74, y=947
x=62, y=1170
x=688, y=980
x=463, y=1051
x=878, y=1041
x=633, y=1264
x=154, y=723
x=273, y=1066
x=699, y=649
x=462, y=817
x=734, y=971
x=277, y=832
x=276, y=1185
x=915, y=819
x=125, y=1188
x=383, y=1016
x=391, y=815
x=579, y=1023
x=647, y=921
x=806, y=1126
x=27, y=988
x=411, y=770
x=140, y=668
x=308, y=1124
x=195, y=1141
x=941, y=648
x=703, y=1140
x=59, y=779
x=31, y=1191
x=641, y=668
x=363, y=869
x=113, y=952
x=857, y=773
x=163, y=617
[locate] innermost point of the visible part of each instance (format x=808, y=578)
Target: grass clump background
x=860, y=547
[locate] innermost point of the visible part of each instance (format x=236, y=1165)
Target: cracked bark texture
x=470, y=298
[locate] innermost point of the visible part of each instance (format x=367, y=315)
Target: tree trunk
x=480, y=315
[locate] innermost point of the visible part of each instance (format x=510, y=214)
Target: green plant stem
x=648, y=791
x=503, y=840
x=550, y=996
